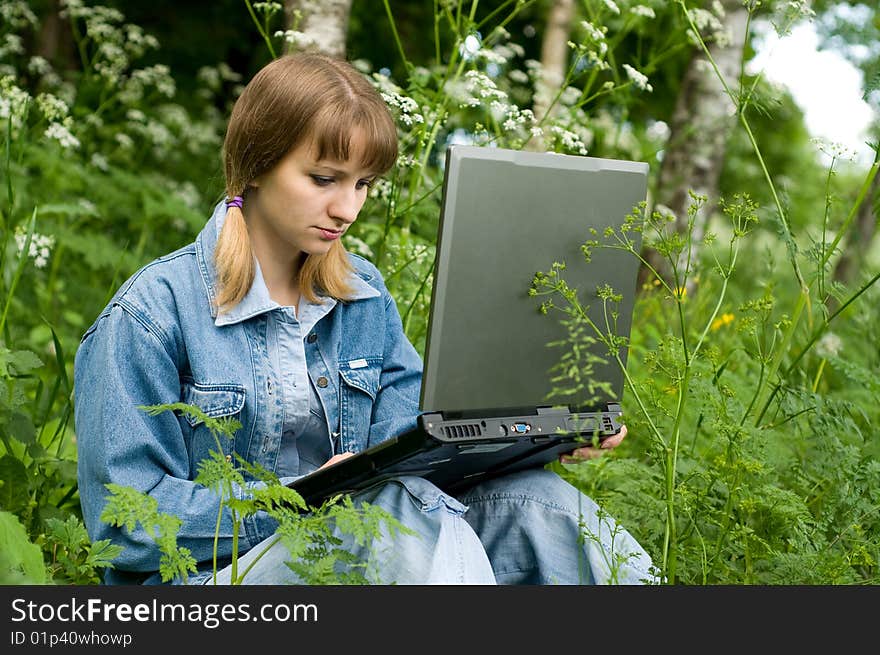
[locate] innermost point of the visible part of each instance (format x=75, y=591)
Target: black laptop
x=487, y=399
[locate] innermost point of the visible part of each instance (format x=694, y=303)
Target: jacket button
x=312, y=338
x=322, y=382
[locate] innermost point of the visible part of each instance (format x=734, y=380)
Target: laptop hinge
x=540, y=410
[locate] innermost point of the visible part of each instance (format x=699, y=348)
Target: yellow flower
x=721, y=321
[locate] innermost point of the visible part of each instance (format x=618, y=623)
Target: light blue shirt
x=306, y=442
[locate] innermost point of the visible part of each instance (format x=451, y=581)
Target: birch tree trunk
x=554, y=61
x=702, y=120
x=324, y=24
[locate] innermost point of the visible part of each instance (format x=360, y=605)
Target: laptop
x=487, y=399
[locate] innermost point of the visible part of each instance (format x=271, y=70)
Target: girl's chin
x=318, y=247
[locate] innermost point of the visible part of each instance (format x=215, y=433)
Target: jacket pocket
x=359, y=386
x=214, y=400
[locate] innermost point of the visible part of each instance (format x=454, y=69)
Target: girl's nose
x=346, y=204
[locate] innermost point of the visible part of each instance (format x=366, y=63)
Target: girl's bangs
x=334, y=128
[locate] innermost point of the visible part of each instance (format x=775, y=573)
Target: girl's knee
x=536, y=484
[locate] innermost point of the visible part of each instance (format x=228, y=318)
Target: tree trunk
x=554, y=61
x=323, y=22
x=701, y=122
x=54, y=40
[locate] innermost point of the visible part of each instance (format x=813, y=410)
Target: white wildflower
x=593, y=33
x=93, y=120
x=520, y=121
x=476, y=90
x=110, y=61
x=497, y=55
x=137, y=42
x=12, y=44
x=639, y=79
x=657, y=130
x=17, y=15
x=829, y=345
x=100, y=162
x=569, y=96
x=381, y=188
x=834, y=149
x=470, y=47
x=796, y=9
x=358, y=246
x=13, y=102
x=124, y=140
x=297, y=38
x=569, y=139
x=158, y=76
x=39, y=248
x=612, y=6
x=52, y=108
x=705, y=20
x=406, y=108
x=189, y=195
x=534, y=68
x=643, y=11
x=39, y=66
x=268, y=8
x=158, y=133
x=60, y=133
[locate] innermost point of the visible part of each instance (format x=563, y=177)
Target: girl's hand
x=589, y=452
x=335, y=458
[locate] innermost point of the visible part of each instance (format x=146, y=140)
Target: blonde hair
x=293, y=99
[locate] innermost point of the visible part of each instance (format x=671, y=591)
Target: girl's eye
x=365, y=184
x=322, y=180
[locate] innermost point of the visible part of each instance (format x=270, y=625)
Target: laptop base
x=457, y=453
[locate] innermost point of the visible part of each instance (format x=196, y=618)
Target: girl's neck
x=281, y=278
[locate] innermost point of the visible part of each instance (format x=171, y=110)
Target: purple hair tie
x=235, y=202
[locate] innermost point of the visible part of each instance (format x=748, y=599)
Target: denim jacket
x=160, y=340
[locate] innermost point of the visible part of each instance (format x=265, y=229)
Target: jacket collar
x=257, y=300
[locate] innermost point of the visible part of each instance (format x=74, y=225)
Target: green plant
x=755, y=468
x=313, y=536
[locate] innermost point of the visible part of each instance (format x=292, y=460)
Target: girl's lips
x=330, y=235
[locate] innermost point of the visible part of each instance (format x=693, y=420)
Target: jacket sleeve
x=397, y=401
x=124, y=362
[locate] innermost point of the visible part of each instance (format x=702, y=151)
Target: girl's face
x=305, y=204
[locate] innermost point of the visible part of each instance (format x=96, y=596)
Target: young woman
x=257, y=320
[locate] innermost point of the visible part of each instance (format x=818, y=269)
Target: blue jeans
x=530, y=527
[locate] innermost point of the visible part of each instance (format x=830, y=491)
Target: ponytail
x=233, y=259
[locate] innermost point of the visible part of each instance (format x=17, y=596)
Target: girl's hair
x=294, y=99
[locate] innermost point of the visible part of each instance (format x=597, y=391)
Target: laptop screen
x=507, y=215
